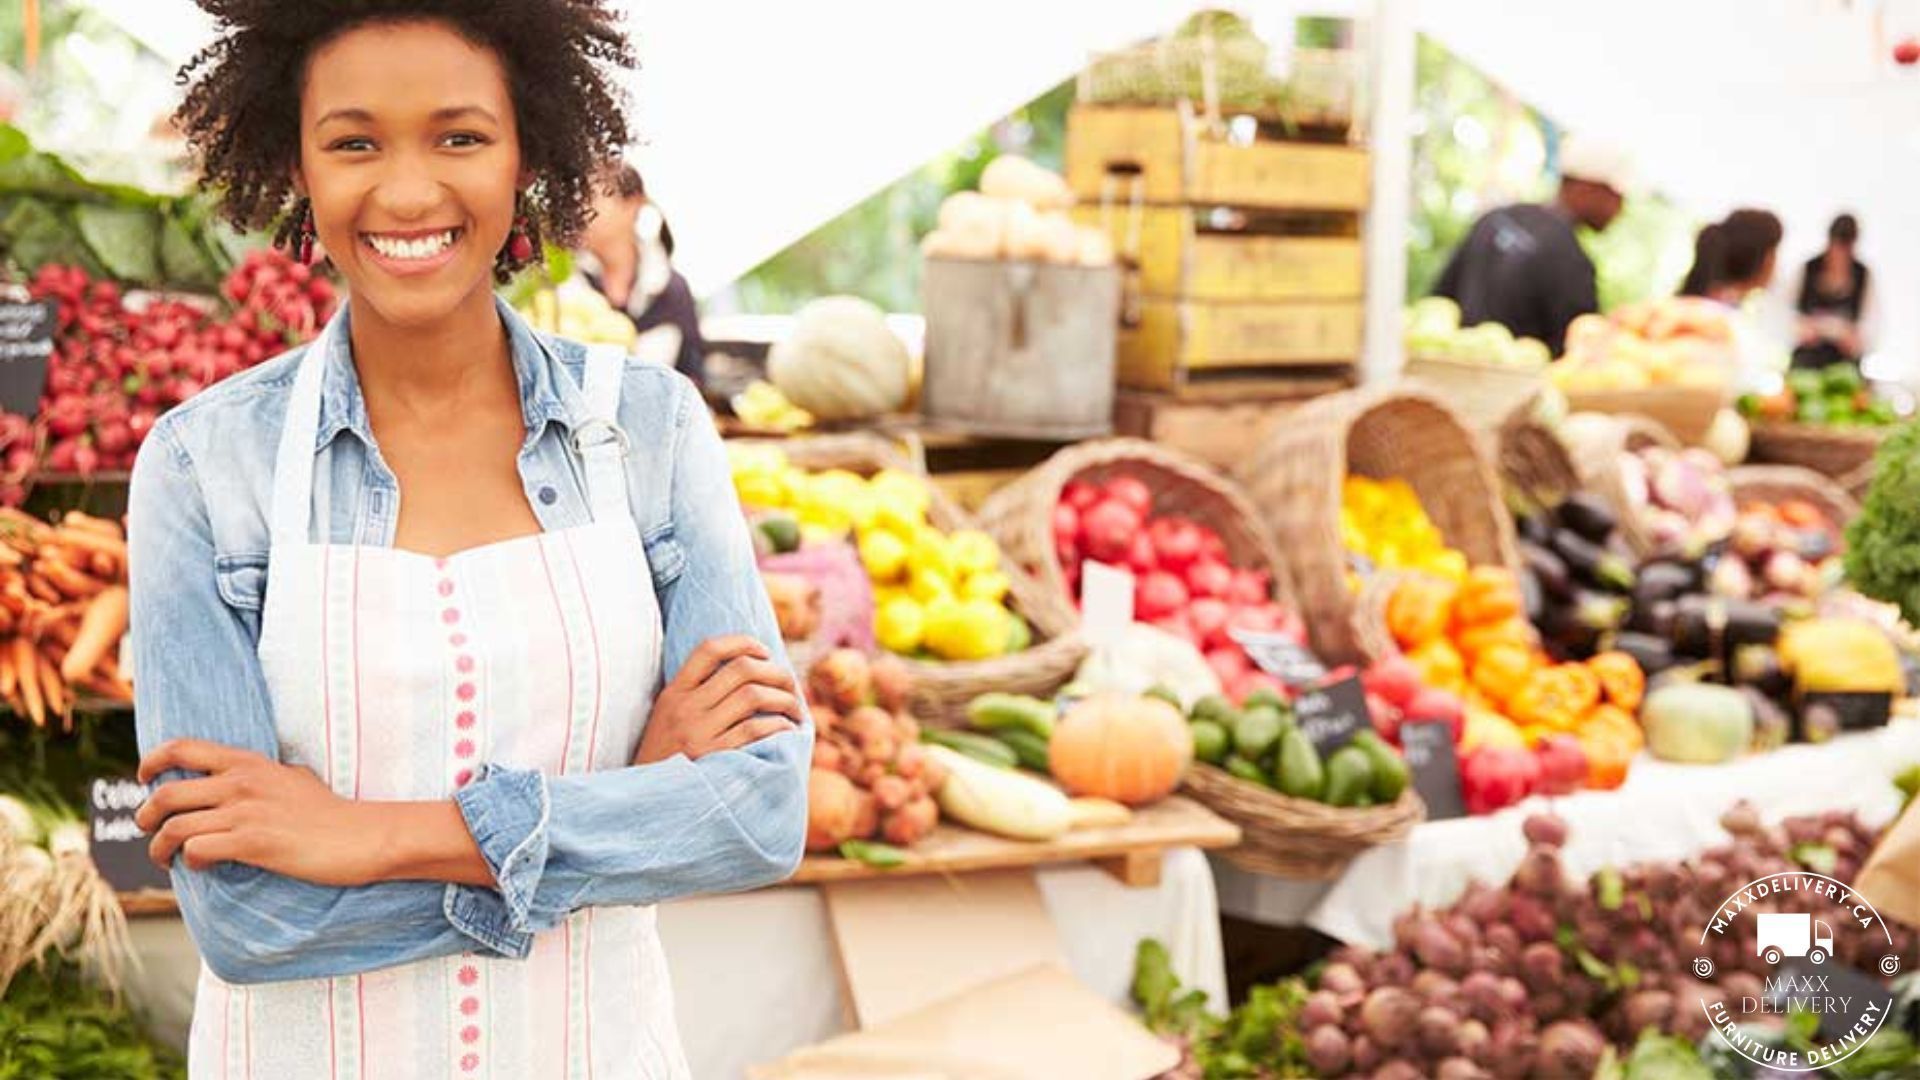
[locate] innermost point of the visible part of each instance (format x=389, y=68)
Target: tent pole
x=1390, y=65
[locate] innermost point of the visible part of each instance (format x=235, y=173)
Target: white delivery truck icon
x=1794, y=935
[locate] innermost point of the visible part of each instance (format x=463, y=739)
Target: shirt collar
x=547, y=393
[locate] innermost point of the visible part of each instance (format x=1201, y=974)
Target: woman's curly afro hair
x=241, y=113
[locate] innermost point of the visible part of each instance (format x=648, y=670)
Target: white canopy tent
x=763, y=119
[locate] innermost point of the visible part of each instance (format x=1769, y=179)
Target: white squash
x=971, y=214
x=1095, y=247
x=1000, y=801
x=1063, y=238
x=1011, y=176
x=841, y=362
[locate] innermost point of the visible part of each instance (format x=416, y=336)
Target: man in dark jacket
x=1522, y=266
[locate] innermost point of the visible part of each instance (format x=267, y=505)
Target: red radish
x=1210, y=620
x=1394, y=679
x=1131, y=491
x=1229, y=662
x=1160, y=593
x=1208, y=577
x=1080, y=495
x=1107, y=531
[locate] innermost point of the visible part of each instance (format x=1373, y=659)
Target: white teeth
x=424, y=247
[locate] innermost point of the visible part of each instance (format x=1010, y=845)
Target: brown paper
x=1038, y=1025
x=1891, y=877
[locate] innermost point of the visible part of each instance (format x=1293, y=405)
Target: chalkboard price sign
x=1281, y=657
x=1330, y=716
x=26, y=344
x=1428, y=748
x=119, y=847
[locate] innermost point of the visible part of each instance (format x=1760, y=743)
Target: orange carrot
x=53, y=689
x=101, y=627
x=74, y=519
x=28, y=663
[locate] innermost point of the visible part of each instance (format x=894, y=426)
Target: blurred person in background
x=626, y=252
x=1734, y=258
x=1522, y=266
x=1834, y=302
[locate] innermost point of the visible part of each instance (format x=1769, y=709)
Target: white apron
x=393, y=675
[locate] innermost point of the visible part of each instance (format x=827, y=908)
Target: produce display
x=120, y=360
x=763, y=406
x=1431, y=328
x=841, y=361
x=937, y=595
x=1682, y=498
x=1787, y=552
x=1543, y=976
x=577, y=310
x=57, y=1022
x=1019, y=215
x=870, y=778
x=54, y=905
x=1881, y=541
x=1184, y=580
x=1577, y=574
x=63, y=610
x=1836, y=396
x=1674, y=341
x=1261, y=743
x=1383, y=524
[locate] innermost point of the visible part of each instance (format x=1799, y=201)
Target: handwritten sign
x=1330, y=716
x=119, y=847
x=26, y=343
x=1106, y=602
x=1281, y=656
x=1428, y=747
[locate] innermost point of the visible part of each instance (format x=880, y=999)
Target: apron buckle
x=598, y=434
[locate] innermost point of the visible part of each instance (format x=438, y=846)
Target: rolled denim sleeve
x=197, y=675
x=731, y=820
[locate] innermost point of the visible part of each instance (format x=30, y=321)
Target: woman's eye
x=462, y=139
x=352, y=143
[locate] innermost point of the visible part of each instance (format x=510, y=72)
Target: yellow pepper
x=1420, y=610
x=1558, y=697
x=1501, y=671
x=1439, y=665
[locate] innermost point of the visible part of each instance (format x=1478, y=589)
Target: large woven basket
x=1830, y=451
x=941, y=690
x=1597, y=458
x=1484, y=394
x=1295, y=478
x=1775, y=483
x=1020, y=515
x=1686, y=412
x=1298, y=838
x=1858, y=481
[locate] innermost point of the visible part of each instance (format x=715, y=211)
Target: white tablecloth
x=754, y=974
x=1663, y=811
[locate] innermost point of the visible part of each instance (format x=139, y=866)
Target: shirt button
x=548, y=496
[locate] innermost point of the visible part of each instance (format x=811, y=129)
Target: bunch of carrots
x=63, y=611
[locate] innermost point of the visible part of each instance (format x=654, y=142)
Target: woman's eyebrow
x=442, y=115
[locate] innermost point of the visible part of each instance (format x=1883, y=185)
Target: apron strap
x=293, y=463
x=601, y=442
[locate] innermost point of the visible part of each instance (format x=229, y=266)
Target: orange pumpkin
x=1132, y=750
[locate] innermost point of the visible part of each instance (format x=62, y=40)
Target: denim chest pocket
x=243, y=580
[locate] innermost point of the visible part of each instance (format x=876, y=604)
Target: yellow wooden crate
x=1173, y=338
x=1177, y=258
x=1175, y=160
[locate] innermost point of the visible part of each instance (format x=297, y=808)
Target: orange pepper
x=1620, y=678
x=1474, y=640
x=1439, y=665
x=1491, y=594
x=1499, y=671
x=1615, y=722
x=1557, y=697
x=1609, y=755
x=1420, y=609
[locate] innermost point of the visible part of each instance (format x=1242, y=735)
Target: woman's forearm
x=425, y=841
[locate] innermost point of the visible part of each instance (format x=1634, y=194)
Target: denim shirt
x=198, y=539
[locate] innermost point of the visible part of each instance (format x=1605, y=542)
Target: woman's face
x=410, y=155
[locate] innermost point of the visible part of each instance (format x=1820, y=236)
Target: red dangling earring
x=303, y=233
x=519, y=243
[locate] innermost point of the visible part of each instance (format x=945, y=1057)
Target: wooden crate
x=1175, y=160
x=1173, y=340
x=1175, y=252
x=1221, y=433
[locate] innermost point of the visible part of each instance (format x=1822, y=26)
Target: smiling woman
x=450, y=665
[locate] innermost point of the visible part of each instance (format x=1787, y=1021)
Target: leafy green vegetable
x=873, y=853
x=1883, y=542
x=1656, y=1057
x=55, y=1024
x=125, y=239
x=1260, y=1039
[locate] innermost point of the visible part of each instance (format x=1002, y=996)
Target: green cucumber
x=873, y=853
x=981, y=748
x=1000, y=713
x=1029, y=749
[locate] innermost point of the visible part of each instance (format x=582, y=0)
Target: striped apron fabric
x=392, y=676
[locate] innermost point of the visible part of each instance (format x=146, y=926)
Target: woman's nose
x=409, y=190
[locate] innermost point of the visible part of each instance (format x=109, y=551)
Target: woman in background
x=1734, y=258
x=626, y=253
x=1834, y=301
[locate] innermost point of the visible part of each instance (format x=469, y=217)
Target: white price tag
x=1106, y=602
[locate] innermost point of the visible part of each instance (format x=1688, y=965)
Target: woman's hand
x=729, y=693
x=254, y=810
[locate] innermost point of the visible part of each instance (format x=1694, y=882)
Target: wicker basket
x=1775, y=483
x=1295, y=478
x=941, y=690
x=1298, y=838
x=1686, y=412
x=1533, y=461
x=1857, y=482
x=1020, y=515
x=1484, y=394
x=1829, y=451
x=1597, y=454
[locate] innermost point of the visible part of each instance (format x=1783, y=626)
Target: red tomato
x=1080, y=495
x=1177, y=540
x=1107, y=531
x=1229, y=663
x=1209, y=577
x=1160, y=594
x=1210, y=621
x=1394, y=679
x=1133, y=492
